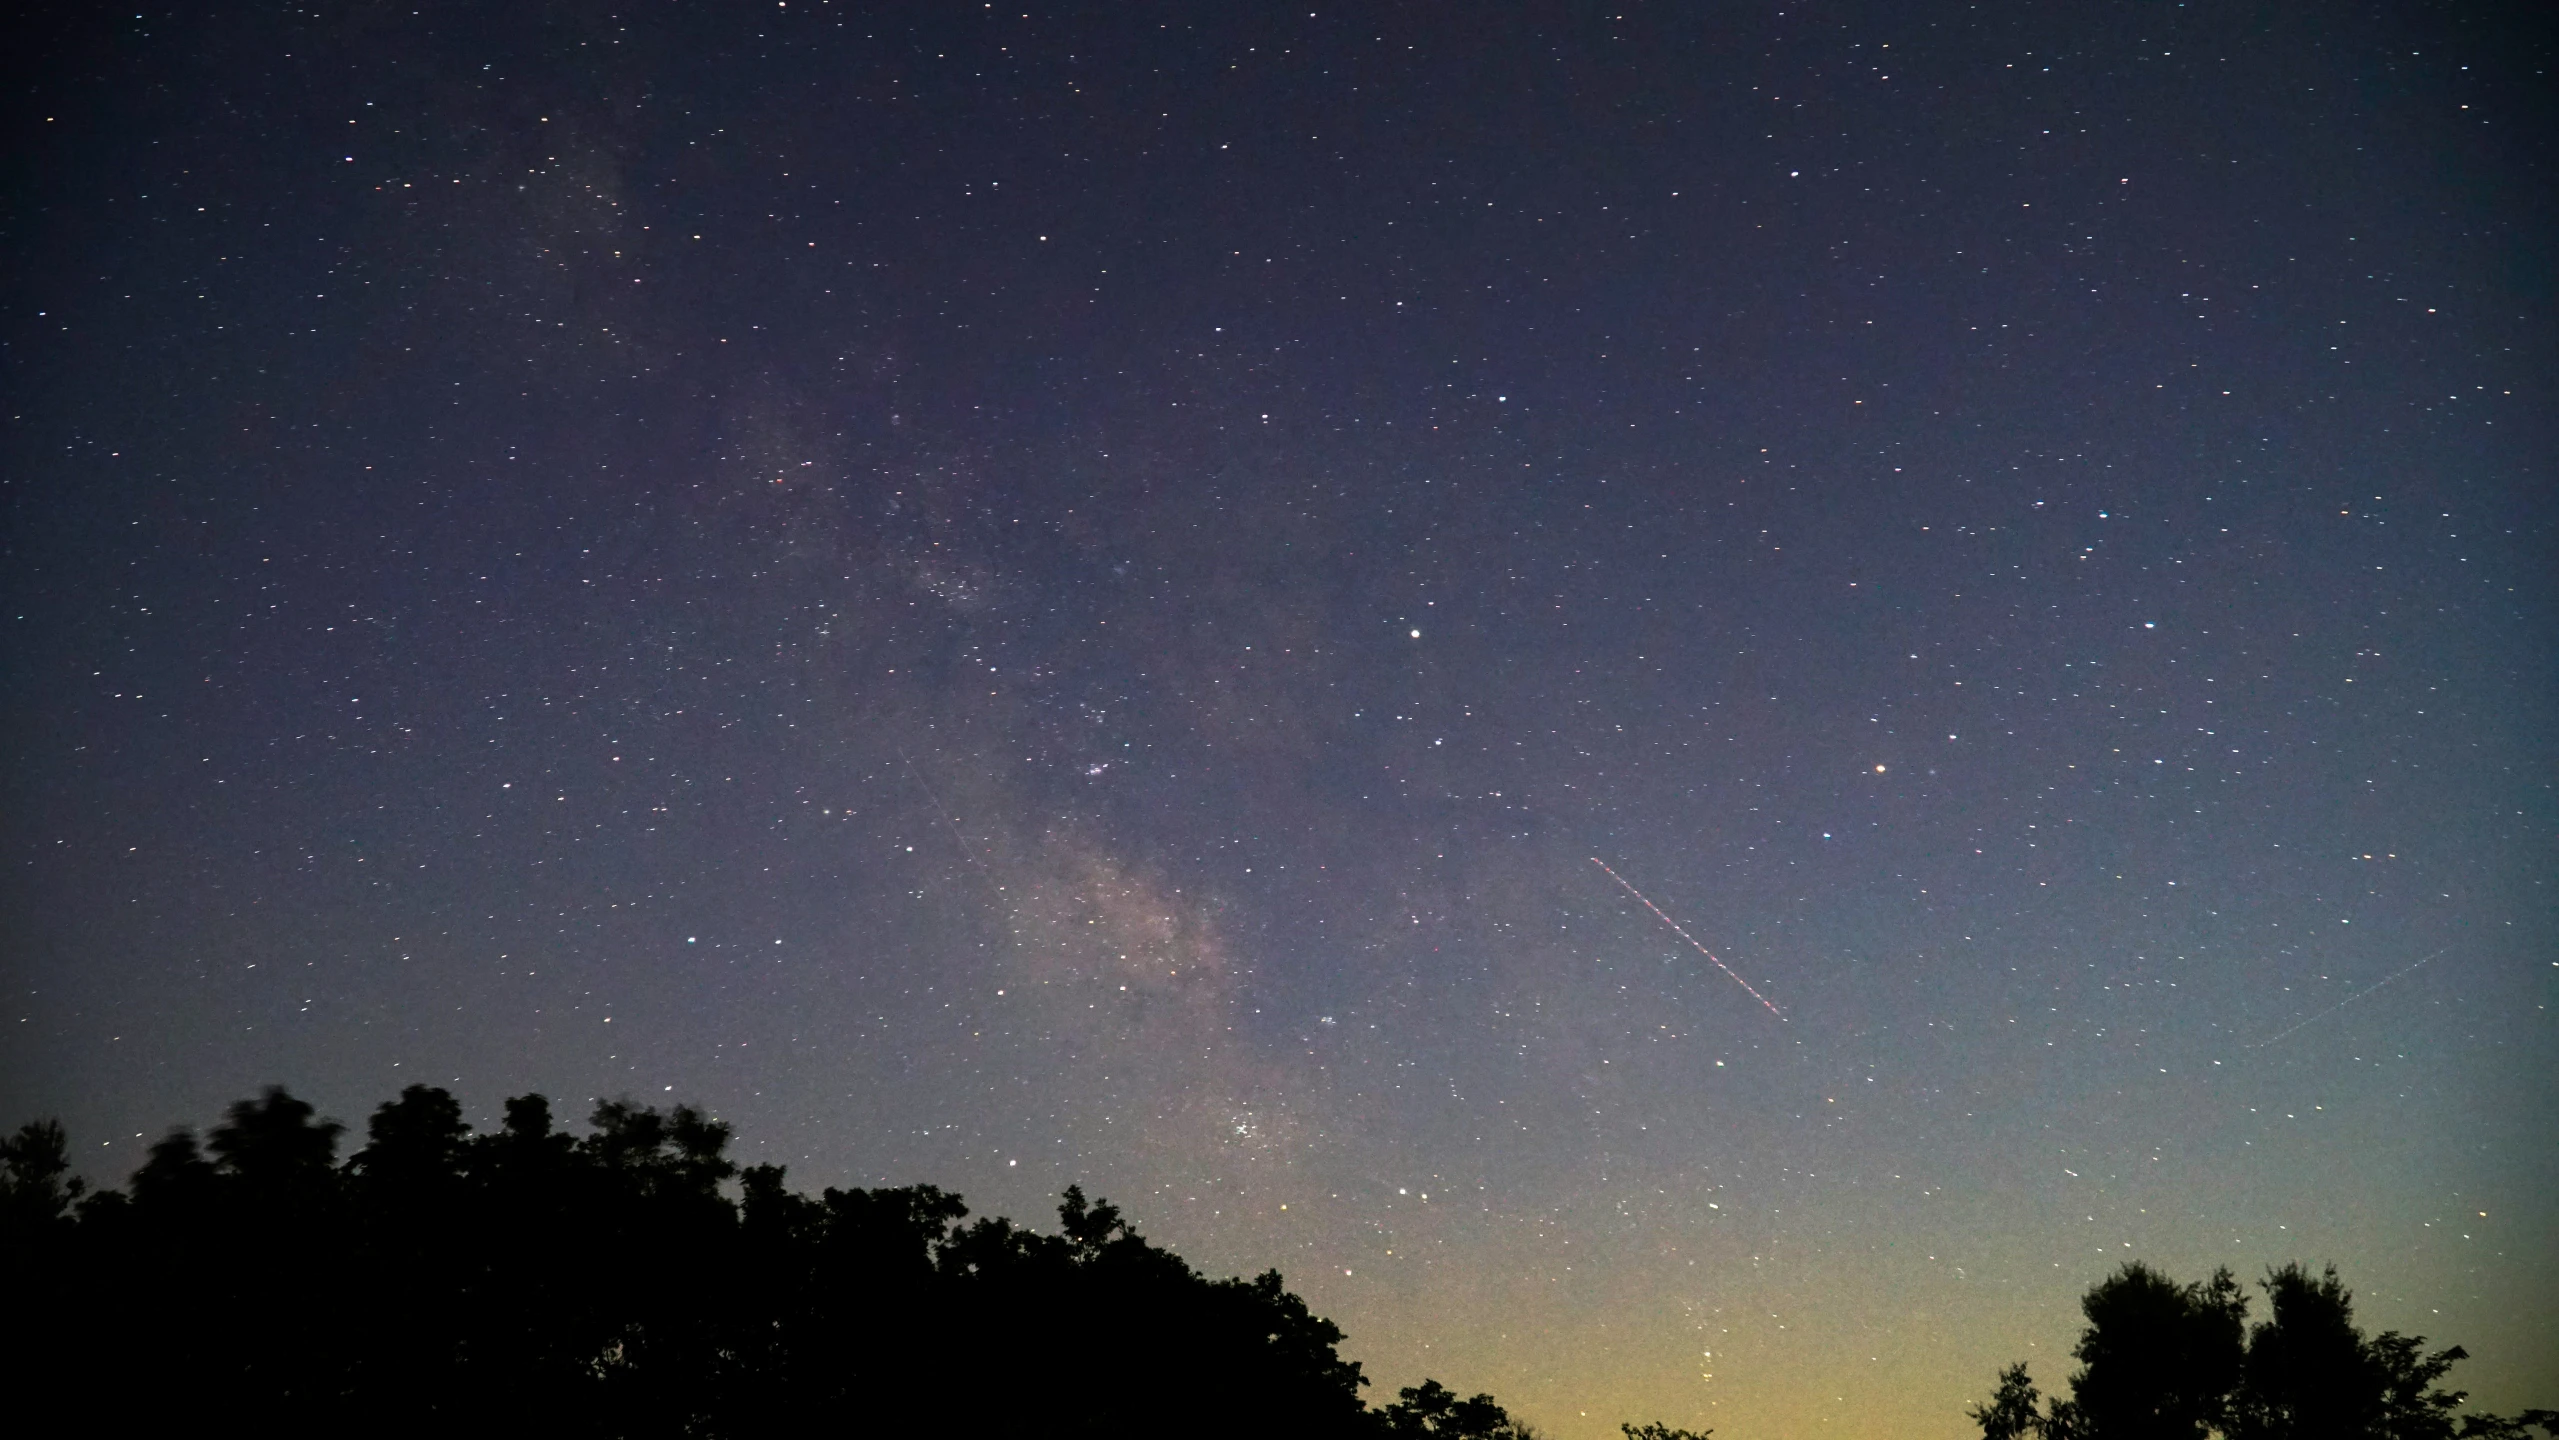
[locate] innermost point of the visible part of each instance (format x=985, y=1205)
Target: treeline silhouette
x=630, y=1282
x=2164, y=1361
x=635, y=1282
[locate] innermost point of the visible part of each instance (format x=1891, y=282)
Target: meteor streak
x=939, y=809
x=1709, y=954
x=2349, y=1000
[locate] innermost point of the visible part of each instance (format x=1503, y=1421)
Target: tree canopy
x=635, y=1282
x=2164, y=1361
x=630, y=1282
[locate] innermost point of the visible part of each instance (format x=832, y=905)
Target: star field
x=1009, y=598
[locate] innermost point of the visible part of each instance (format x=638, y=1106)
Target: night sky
x=1004, y=599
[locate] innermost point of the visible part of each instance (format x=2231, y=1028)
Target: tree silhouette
x=2014, y=1411
x=1432, y=1410
x=633, y=1282
x=2165, y=1361
x=176, y=1178
x=274, y=1146
x=2308, y=1367
x=37, y=1236
x=2160, y=1358
x=33, y=1193
x=628, y=1282
x=414, y=1146
x=2312, y=1372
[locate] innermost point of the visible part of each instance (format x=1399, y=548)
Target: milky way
x=1015, y=599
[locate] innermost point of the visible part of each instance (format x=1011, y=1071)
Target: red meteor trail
x=1684, y=935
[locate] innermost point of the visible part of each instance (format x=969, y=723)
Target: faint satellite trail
x=1710, y=955
x=2349, y=1000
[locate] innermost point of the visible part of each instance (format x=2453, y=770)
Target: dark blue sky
x=1006, y=599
